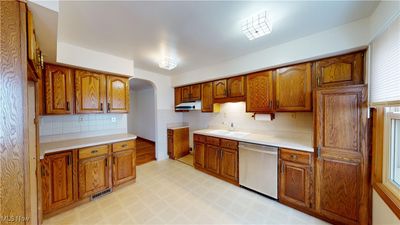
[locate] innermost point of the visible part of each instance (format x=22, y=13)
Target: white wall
x=142, y=114
x=381, y=213
x=54, y=128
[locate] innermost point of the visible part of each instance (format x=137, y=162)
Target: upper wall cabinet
x=340, y=70
x=207, y=97
x=259, y=93
x=90, y=92
x=191, y=93
x=229, y=90
x=117, y=94
x=59, y=90
x=293, y=88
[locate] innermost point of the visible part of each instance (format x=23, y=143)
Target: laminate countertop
x=57, y=146
x=296, y=142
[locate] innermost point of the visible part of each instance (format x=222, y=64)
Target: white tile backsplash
x=54, y=128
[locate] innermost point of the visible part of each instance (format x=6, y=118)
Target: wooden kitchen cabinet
x=178, y=98
x=296, y=178
x=340, y=70
x=199, y=151
x=236, y=87
x=220, y=89
x=207, y=102
x=191, y=93
x=342, y=166
x=259, y=92
x=94, y=175
x=117, y=94
x=57, y=181
x=59, y=90
x=178, y=142
x=212, y=158
x=124, y=166
x=229, y=164
x=90, y=92
x=293, y=88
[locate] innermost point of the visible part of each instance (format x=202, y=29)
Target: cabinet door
x=229, y=164
x=94, y=175
x=342, y=188
x=340, y=70
x=220, y=89
x=178, y=96
x=195, y=92
x=186, y=94
x=59, y=90
x=207, y=97
x=236, y=86
x=90, y=92
x=211, y=158
x=117, y=94
x=259, y=93
x=293, y=88
x=295, y=181
x=199, y=150
x=124, y=166
x=57, y=181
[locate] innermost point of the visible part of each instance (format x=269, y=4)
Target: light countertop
x=297, y=142
x=63, y=145
x=178, y=127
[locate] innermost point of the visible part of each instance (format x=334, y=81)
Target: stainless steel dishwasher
x=258, y=168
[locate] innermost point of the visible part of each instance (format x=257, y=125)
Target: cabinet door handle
x=94, y=151
x=294, y=157
x=69, y=160
x=67, y=105
x=124, y=145
x=108, y=107
x=319, y=152
x=101, y=106
x=282, y=167
x=106, y=162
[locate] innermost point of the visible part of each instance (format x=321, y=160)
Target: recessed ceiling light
x=257, y=26
x=168, y=63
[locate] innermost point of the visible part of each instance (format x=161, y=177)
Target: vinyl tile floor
x=170, y=192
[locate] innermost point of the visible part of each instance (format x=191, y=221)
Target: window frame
x=380, y=149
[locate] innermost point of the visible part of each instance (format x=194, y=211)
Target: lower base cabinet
x=73, y=176
x=218, y=157
x=296, y=178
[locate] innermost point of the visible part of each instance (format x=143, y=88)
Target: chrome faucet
x=231, y=127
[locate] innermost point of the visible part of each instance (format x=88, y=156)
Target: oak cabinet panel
x=199, y=150
x=59, y=90
x=342, y=166
x=178, y=142
x=178, y=97
x=90, y=92
x=236, y=86
x=57, y=181
x=220, y=89
x=295, y=184
x=293, y=88
x=212, y=155
x=229, y=164
x=186, y=94
x=117, y=94
x=93, y=175
x=340, y=70
x=259, y=93
x=124, y=168
x=195, y=92
x=207, y=103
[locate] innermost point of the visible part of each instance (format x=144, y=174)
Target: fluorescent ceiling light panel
x=257, y=26
x=168, y=63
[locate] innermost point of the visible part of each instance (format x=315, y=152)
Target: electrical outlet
x=113, y=119
x=80, y=118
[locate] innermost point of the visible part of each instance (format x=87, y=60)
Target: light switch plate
x=113, y=119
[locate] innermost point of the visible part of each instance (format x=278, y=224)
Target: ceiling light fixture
x=257, y=26
x=168, y=63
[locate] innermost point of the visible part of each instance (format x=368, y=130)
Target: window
x=393, y=149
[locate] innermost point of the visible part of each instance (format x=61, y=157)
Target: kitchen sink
x=237, y=134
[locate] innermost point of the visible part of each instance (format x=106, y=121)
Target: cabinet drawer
x=295, y=156
x=225, y=143
x=93, y=151
x=212, y=141
x=199, y=138
x=123, y=145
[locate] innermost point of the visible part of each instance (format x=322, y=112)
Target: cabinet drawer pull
x=124, y=145
x=94, y=151
x=294, y=157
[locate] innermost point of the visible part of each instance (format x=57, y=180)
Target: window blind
x=385, y=66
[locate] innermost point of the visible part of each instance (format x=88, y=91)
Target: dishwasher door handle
x=260, y=151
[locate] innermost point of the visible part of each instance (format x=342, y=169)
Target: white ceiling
x=199, y=33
